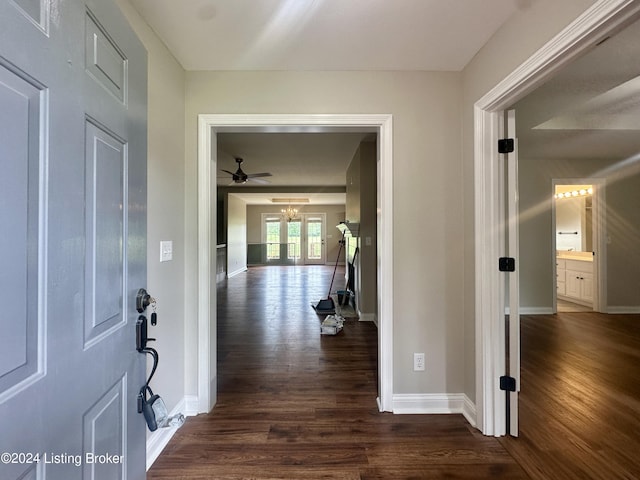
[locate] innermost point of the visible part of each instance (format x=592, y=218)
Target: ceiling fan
x=239, y=177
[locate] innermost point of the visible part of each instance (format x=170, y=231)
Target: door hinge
x=508, y=384
x=507, y=264
x=506, y=145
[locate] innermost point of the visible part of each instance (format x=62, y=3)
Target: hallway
x=293, y=404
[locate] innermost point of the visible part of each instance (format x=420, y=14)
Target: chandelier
x=289, y=213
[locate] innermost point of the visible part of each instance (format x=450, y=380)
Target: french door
x=300, y=240
x=315, y=251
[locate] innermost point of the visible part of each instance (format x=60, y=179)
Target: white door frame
x=208, y=127
x=602, y=18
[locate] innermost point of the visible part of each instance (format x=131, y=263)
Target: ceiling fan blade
x=227, y=171
x=264, y=174
x=258, y=180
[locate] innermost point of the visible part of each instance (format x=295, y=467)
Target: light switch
x=367, y=241
x=166, y=251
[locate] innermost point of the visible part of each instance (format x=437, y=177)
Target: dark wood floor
x=580, y=399
x=294, y=404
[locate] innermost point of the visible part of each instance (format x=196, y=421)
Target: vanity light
x=576, y=193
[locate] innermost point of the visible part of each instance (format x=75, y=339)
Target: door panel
x=315, y=241
x=20, y=135
x=294, y=240
x=73, y=157
x=105, y=167
x=512, y=282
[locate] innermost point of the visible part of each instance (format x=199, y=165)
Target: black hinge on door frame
x=506, y=145
x=508, y=384
x=507, y=264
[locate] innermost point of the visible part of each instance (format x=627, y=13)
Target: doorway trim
x=603, y=18
x=209, y=125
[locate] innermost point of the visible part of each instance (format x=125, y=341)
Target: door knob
x=143, y=300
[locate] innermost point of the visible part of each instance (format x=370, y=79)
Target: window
x=272, y=229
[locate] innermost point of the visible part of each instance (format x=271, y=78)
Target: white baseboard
x=190, y=405
x=438, y=403
x=367, y=317
x=469, y=412
x=536, y=311
x=237, y=272
x=156, y=441
x=549, y=311
x=623, y=310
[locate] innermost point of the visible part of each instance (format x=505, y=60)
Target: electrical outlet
x=418, y=362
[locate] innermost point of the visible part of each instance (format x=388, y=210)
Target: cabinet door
x=586, y=284
x=573, y=284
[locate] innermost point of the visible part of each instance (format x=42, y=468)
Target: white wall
x=236, y=235
x=165, y=208
x=570, y=218
x=526, y=31
x=429, y=235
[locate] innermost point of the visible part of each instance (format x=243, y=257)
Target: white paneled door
x=73, y=80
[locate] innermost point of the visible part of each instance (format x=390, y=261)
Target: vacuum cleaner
x=327, y=305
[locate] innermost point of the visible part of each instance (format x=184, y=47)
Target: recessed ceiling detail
x=590, y=110
x=615, y=109
x=290, y=200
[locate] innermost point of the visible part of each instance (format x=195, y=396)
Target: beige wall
x=236, y=235
x=165, y=208
x=362, y=208
x=433, y=160
x=426, y=115
x=527, y=31
x=536, y=229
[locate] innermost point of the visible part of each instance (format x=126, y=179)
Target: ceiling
x=300, y=159
x=440, y=35
x=590, y=109
x=313, y=160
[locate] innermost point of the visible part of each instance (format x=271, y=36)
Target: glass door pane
x=294, y=238
x=314, y=239
x=272, y=229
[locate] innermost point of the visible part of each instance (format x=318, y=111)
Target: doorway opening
x=598, y=22
x=209, y=125
x=578, y=245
